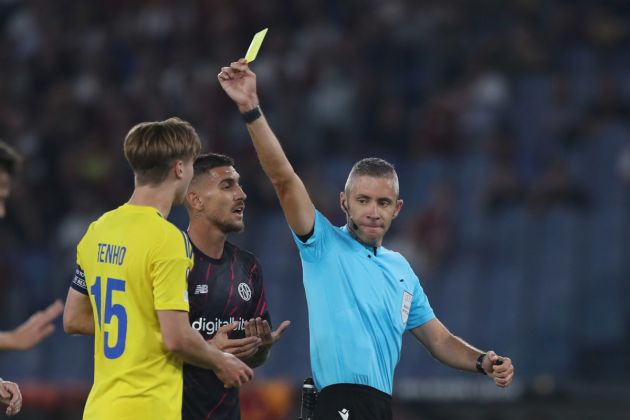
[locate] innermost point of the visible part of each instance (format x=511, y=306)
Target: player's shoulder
x=170, y=239
x=234, y=251
x=170, y=230
x=132, y=215
x=156, y=231
x=104, y=218
x=101, y=222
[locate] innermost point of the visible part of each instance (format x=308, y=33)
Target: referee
x=354, y=284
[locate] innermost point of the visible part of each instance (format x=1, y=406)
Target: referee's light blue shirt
x=360, y=303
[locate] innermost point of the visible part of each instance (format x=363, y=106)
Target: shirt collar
x=372, y=249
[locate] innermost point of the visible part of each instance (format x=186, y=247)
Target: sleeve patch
x=78, y=282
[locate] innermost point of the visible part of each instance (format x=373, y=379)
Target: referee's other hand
x=499, y=368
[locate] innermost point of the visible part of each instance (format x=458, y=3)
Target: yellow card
x=252, y=51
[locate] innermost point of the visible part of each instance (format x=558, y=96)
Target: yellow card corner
x=254, y=47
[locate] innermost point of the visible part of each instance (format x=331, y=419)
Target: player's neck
x=209, y=239
x=159, y=197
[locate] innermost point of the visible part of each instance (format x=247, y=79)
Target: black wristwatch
x=479, y=362
x=252, y=115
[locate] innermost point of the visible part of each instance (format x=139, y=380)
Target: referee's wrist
x=479, y=364
x=252, y=115
x=248, y=104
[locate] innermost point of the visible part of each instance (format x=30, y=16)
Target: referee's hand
x=499, y=368
x=239, y=82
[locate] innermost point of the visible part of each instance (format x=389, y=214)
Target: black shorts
x=353, y=402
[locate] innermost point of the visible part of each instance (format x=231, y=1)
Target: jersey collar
x=215, y=261
x=145, y=209
x=372, y=249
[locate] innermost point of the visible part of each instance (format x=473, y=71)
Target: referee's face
x=370, y=205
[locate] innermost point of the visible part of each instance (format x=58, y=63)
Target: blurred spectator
x=609, y=103
x=436, y=131
x=623, y=164
x=486, y=98
x=562, y=120
x=505, y=189
x=434, y=229
x=556, y=188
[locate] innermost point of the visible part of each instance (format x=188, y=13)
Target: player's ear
x=193, y=201
x=178, y=169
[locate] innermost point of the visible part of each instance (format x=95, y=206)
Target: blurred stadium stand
x=508, y=121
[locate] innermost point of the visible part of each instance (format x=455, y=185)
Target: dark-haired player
x=227, y=299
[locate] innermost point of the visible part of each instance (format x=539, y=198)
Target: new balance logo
x=344, y=414
x=201, y=289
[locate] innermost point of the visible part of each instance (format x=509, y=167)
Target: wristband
x=478, y=365
x=252, y=115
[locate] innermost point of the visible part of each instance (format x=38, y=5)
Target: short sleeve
x=421, y=311
x=314, y=247
x=170, y=264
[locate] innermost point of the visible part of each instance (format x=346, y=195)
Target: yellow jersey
x=134, y=263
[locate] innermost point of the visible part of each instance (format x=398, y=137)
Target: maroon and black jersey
x=220, y=292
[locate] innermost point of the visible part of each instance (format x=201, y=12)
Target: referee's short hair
x=10, y=161
x=209, y=161
x=374, y=167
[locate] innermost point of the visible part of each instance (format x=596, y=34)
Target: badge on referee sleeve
x=406, y=306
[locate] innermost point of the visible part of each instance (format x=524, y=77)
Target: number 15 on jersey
x=106, y=313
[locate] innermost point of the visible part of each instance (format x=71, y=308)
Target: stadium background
x=508, y=123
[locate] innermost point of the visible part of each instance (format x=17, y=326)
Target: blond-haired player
x=130, y=290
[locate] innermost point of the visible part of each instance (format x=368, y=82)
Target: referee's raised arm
x=239, y=82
